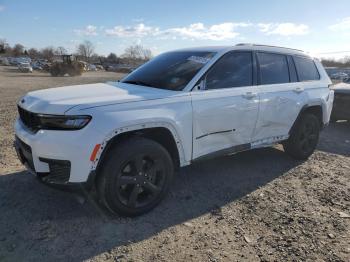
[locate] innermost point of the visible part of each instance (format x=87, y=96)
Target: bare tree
x=3, y=46
x=132, y=52
x=147, y=54
x=346, y=60
x=48, y=53
x=331, y=62
x=112, y=58
x=61, y=51
x=86, y=50
x=33, y=53
x=95, y=58
x=137, y=52
x=18, y=50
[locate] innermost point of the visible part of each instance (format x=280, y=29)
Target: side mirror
x=200, y=86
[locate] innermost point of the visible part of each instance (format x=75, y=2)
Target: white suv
x=126, y=138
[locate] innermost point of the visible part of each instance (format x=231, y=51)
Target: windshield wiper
x=137, y=83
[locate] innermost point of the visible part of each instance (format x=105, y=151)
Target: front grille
x=29, y=119
x=59, y=171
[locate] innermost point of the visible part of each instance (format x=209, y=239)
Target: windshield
x=172, y=71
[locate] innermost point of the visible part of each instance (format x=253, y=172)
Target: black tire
x=303, y=137
x=135, y=176
x=333, y=120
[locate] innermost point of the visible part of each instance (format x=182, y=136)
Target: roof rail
x=251, y=44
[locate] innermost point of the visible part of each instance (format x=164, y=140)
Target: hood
x=61, y=99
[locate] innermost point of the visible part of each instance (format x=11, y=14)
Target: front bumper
x=59, y=170
x=57, y=157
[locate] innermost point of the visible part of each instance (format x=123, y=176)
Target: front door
x=225, y=112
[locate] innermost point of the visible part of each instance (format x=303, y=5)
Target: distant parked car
x=84, y=65
x=18, y=60
x=120, y=68
x=340, y=76
x=111, y=68
x=25, y=68
x=91, y=67
x=12, y=61
x=4, y=61
x=37, y=65
x=341, y=104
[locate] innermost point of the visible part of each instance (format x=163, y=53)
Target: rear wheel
x=135, y=176
x=303, y=138
x=333, y=119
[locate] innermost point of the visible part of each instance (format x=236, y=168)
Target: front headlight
x=56, y=122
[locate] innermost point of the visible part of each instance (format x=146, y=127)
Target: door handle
x=299, y=90
x=250, y=95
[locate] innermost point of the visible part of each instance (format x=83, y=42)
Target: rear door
x=281, y=97
x=225, y=112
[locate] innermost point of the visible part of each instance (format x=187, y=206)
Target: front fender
x=173, y=113
x=141, y=126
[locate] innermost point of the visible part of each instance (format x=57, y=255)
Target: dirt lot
x=253, y=206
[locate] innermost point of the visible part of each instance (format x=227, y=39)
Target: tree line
x=85, y=51
x=134, y=54
x=342, y=63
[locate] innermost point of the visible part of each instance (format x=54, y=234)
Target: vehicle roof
x=257, y=47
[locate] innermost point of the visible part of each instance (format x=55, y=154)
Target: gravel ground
x=254, y=206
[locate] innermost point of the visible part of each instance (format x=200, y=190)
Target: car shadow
x=335, y=138
x=40, y=223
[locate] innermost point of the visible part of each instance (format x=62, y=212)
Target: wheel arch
x=315, y=109
x=163, y=133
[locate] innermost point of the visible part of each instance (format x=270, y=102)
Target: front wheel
x=303, y=138
x=135, y=176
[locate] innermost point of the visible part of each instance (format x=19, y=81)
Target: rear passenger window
x=306, y=69
x=273, y=69
x=233, y=70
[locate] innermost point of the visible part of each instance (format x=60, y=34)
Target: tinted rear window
x=273, y=68
x=306, y=69
x=172, y=71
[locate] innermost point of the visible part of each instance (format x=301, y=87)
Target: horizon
x=320, y=28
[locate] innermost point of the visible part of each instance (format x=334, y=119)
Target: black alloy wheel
x=135, y=176
x=140, y=180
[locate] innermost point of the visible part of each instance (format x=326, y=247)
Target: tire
x=333, y=119
x=303, y=137
x=135, y=176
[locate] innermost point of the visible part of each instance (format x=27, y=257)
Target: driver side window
x=234, y=69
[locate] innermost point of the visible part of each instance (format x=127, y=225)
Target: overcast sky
x=314, y=26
